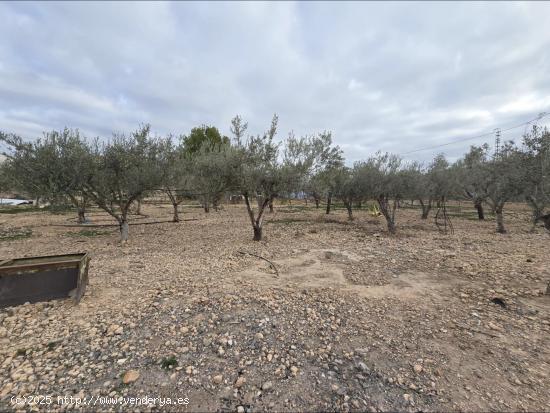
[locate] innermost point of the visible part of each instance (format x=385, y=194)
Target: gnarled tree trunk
x=500, y=220
x=329, y=202
x=545, y=220
x=256, y=221
x=124, y=229
x=175, y=205
x=81, y=215
x=257, y=233
x=537, y=210
x=478, y=204
x=388, y=212
x=425, y=208
x=176, y=216
x=347, y=204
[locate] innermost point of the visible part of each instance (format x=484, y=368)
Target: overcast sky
x=381, y=76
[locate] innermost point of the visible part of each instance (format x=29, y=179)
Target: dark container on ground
x=47, y=278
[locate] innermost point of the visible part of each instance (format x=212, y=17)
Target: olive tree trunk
x=256, y=221
x=426, y=207
x=479, y=208
x=257, y=233
x=537, y=210
x=81, y=215
x=388, y=211
x=500, y=219
x=124, y=229
x=80, y=204
x=348, y=206
x=175, y=205
x=176, y=216
x=329, y=202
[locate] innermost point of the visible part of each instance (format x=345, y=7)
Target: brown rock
x=240, y=382
x=130, y=376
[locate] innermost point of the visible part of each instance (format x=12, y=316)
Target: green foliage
x=494, y=179
x=19, y=209
x=53, y=168
x=64, y=168
x=255, y=168
x=211, y=173
x=309, y=164
x=536, y=161
x=125, y=168
x=14, y=233
x=203, y=138
x=51, y=345
x=168, y=363
x=88, y=233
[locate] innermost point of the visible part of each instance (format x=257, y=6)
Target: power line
x=539, y=117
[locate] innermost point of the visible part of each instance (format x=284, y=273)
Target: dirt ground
x=346, y=318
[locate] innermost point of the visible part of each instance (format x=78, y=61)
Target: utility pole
x=497, y=142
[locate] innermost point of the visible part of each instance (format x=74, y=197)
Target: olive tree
x=306, y=159
x=326, y=160
x=210, y=173
x=351, y=186
x=385, y=180
x=416, y=180
x=54, y=167
x=471, y=177
x=495, y=179
x=125, y=168
x=24, y=167
x=174, y=173
x=256, y=171
x=440, y=182
x=536, y=161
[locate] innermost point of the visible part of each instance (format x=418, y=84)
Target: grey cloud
x=381, y=76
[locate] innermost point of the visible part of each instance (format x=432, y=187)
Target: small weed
x=14, y=233
x=51, y=345
x=59, y=209
x=168, y=363
x=21, y=352
x=285, y=221
x=87, y=233
x=18, y=209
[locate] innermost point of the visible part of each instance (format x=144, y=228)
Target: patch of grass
x=21, y=352
x=286, y=221
x=409, y=206
x=469, y=215
x=19, y=209
x=168, y=363
x=60, y=209
x=88, y=233
x=14, y=233
x=51, y=345
x=290, y=209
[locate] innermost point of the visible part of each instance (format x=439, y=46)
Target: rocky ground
x=345, y=317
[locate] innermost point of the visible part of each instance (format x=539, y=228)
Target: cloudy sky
x=381, y=76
